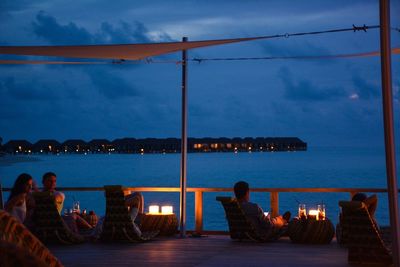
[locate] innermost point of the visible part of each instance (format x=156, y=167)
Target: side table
x=167, y=224
x=311, y=231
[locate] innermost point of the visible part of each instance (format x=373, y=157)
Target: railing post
x=274, y=198
x=198, y=211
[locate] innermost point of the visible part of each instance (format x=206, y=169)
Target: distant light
x=354, y=96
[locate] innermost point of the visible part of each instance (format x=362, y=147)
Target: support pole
x=387, y=99
x=183, y=144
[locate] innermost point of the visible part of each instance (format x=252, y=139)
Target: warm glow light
x=167, y=210
x=154, y=209
x=313, y=212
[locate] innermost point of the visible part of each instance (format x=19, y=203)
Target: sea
x=336, y=167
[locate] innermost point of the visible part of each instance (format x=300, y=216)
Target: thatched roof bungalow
x=18, y=147
x=47, y=146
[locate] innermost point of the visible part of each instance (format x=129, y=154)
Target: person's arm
x=15, y=201
x=372, y=203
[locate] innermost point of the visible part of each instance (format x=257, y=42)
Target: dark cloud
x=305, y=90
x=111, y=85
x=26, y=90
x=365, y=90
x=123, y=33
x=48, y=28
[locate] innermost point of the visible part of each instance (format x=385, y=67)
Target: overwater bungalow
x=126, y=145
x=47, y=146
x=18, y=147
x=75, y=146
x=100, y=146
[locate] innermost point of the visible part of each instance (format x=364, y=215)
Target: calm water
x=317, y=167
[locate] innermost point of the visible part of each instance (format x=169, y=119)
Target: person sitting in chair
x=49, y=181
x=371, y=202
x=135, y=203
x=19, y=203
x=74, y=221
x=264, y=225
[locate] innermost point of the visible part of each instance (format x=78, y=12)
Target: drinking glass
x=302, y=211
x=321, y=212
x=75, y=207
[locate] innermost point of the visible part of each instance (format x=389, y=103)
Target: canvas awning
x=120, y=51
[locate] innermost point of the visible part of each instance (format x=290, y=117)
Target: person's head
x=49, y=181
x=242, y=190
x=23, y=184
x=359, y=197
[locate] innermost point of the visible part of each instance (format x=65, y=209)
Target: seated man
x=135, y=203
x=74, y=221
x=371, y=202
x=49, y=181
x=265, y=225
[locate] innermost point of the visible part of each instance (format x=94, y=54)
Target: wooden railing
x=199, y=191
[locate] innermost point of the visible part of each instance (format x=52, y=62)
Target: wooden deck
x=205, y=251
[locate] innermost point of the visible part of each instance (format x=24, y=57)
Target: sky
x=322, y=101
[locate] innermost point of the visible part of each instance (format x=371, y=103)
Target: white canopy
x=121, y=51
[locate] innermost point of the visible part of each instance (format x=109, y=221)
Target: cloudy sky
x=321, y=101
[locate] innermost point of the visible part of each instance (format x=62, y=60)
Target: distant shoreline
x=157, y=145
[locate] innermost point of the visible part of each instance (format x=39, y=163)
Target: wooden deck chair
x=239, y=226
x=118, y=225
x=48, y=224
x=19, y=247
x=362, y=236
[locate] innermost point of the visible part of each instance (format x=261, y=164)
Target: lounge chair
x=19, y=247
x=49, y=226
x=239, y=226
x=361, y=235
x=117, y=224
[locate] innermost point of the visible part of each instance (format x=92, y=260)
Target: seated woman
x=19, y=203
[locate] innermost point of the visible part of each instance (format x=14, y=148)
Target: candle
x=167, y=210
x=154, y=209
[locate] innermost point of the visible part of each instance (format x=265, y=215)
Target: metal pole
x=1, y=198
x=387, y=99
x=183, y=143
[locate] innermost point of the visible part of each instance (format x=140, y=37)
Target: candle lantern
x=154, y=209
x=167, y=210
x=312, y=214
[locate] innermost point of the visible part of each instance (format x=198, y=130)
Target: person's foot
x=286, y=216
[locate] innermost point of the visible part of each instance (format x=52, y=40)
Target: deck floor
x=204, y=251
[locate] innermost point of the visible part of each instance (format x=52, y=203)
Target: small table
x=167, y=224
x=311, y=231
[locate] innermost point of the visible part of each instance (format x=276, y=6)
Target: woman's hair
x=19, y=185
